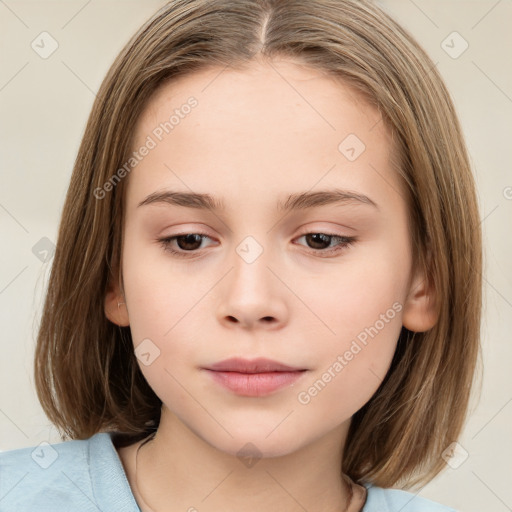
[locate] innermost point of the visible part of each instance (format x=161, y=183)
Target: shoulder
x=47, y=473
x=70, y=475
x=394, y=500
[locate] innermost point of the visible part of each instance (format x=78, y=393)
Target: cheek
x=159, y=297
x=350, y=369
x=355, y=296
x=162, y=303
x=362, y=306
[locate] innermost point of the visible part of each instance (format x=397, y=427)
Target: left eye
x=189, y=243
x=322, y=241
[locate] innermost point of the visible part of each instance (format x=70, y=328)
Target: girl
x=266, y=290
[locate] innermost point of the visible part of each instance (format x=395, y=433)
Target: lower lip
x=255, y=384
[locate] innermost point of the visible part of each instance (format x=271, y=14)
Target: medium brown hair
x=86, y=373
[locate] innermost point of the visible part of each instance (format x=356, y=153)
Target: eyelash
x=346, y=241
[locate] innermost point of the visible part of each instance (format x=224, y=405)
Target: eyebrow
x=297, y=201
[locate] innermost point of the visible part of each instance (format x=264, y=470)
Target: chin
x=251, y=444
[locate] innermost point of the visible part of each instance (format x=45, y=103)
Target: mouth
x=259, y=365
x=256, y=377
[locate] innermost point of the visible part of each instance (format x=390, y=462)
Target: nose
x=252, y=295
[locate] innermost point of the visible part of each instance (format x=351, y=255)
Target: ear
x=420, y=309
x=115, y=307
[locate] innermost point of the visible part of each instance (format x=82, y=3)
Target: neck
x=177, y=470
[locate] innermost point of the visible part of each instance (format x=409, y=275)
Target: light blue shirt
x=88, y=476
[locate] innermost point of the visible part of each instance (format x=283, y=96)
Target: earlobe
x=420, y=310
x=115, y=307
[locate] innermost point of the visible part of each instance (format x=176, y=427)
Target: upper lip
x=259, y=365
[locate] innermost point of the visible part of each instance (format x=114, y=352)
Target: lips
x=253, y=378
x=259, y=365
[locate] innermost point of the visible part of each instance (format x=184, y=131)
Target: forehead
x=275, y=125
x=287, y=87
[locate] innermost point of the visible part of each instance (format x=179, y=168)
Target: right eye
x=187, y=243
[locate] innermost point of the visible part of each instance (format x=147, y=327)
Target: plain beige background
x=45, y=103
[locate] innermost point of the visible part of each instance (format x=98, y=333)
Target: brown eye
x=318, y=240
x=189, y=242
x=183, y=245
x=320, y=243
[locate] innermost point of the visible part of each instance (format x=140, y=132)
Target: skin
x=255, y=137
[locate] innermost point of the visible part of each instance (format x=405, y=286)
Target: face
x=320, y=283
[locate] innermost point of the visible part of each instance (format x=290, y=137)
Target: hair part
x=86, y=373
